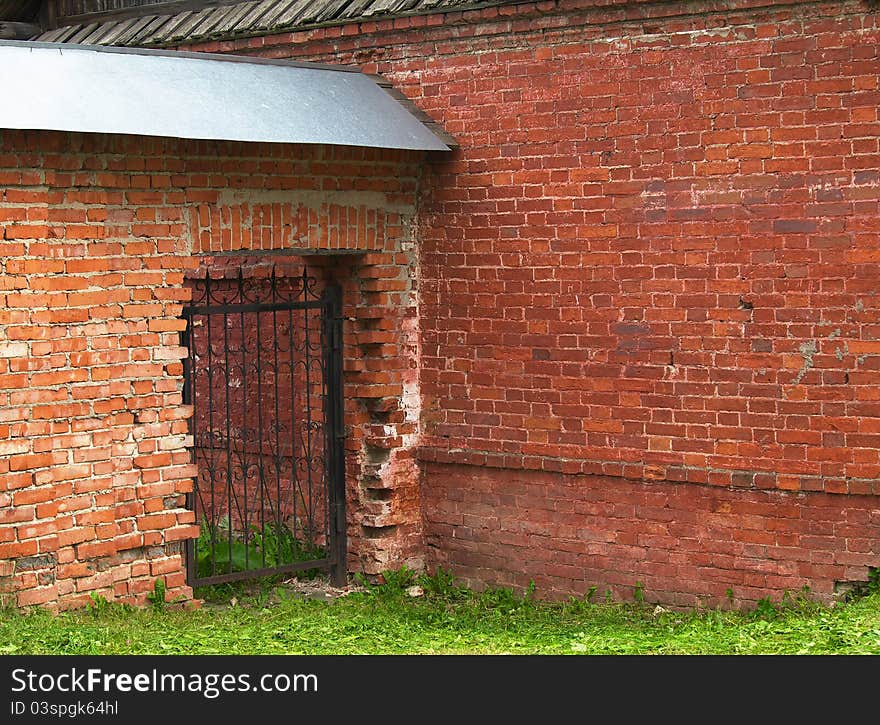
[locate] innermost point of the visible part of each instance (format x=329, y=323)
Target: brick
x=13, y=349
x=37, y=596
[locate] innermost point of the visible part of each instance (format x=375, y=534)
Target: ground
x=317, y=587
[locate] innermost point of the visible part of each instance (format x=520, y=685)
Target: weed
x=397, y=580
x=639, y=593
x=499, y=598
x=156, y=598
x=766, y=609
x=361, y=580
x=98, y=604
x=591, y=592
x=440, y=584
x=7, y=603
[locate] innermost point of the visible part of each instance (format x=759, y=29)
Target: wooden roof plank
x=229, y=19
x=65, y=34
x=405, y=6
x=133, y=30
x=293, y=13
x=114, y=32
x=146, y=33
x=332, y=10
x=208, y=24
x=174, y=21
x=257, y=10
x=379, y=7
x=53, y=36
x=235, y=13
x=354, y=9
x=271, y=16
x=185, y=30
x=94, y=37
x=84, y=32
x=312, y=11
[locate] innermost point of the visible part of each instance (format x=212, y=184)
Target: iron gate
x=264, y=377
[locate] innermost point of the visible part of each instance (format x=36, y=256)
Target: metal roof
x=258, y=17
x=201, y=96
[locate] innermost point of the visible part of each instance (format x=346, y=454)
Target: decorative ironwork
x=264, y=377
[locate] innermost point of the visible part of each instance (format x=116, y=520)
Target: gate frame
x=330, y=306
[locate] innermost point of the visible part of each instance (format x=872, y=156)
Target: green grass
x=447, y=619
x=221, y=551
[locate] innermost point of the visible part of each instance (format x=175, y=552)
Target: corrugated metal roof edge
x=210, y=36
x=433, y=126
x=410, y=106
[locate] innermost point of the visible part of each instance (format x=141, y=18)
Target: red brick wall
x=97, y=235
x=655, y=257
x=684, y=545
x=92, y=430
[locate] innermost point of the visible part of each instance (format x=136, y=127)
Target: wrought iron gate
x=264, y=377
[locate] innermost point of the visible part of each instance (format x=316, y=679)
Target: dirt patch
x=319, y=588
x=255, y=593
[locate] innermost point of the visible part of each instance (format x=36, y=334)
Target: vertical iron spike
x=334, y=417
x=186, y=340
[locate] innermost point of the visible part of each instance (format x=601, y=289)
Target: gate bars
x=264, y=377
